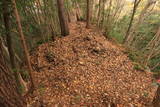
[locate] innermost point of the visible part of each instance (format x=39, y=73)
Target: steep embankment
x=85, y=69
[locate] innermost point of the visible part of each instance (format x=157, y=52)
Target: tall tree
x=88, y=14
x=6, y=17
x=99, y=12
x=103, y=12
x=78, y=11
x=9, y=96
x=62, y=18
x=136, y=3
x=23, y=43
x=142, y=16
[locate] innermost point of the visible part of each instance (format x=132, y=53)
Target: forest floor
x=85, y=69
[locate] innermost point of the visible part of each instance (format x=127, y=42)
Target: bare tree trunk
x=99, y=12
x=103, y=13
x=136, y=3
x=6, y=17
x=9, y=96
x=23, y=44
x=88, y=14
x=62, y=18
x=91, y=10
x=108, y=26
x=140, y=21
x=78, y=11
x=156, y=100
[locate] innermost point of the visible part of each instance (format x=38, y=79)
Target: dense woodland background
x=134, y=24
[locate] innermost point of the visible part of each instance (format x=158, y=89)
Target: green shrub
x=139, y=67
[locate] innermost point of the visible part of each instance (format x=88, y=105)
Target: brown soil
x=85, y=69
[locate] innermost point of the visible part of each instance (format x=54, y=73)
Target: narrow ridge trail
x=85, y=69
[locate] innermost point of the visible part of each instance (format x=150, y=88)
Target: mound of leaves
x=84, y=69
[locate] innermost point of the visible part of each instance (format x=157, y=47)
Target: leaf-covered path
x=85, y=69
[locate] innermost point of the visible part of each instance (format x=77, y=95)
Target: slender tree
x=62, y=18
x=9, y=96
x=136, y=3
x=140, y=20
x=6, y=17
x=103, y=12
x=99, y=12
x=78, y=11
x=88, y=14
x=23, y=43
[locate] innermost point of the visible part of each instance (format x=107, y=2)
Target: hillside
x=85, y=69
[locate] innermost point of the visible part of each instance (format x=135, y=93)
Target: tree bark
x=156, y=101
x=62, y=18
x=103, y=13
x=141, y=18
x=18, y=21
x=6, y=17
x=99, y=12
x=78, y=12
x=136, y=3
x=9, y=96
x=88, y=14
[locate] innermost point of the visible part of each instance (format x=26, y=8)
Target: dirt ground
x=84, y=69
